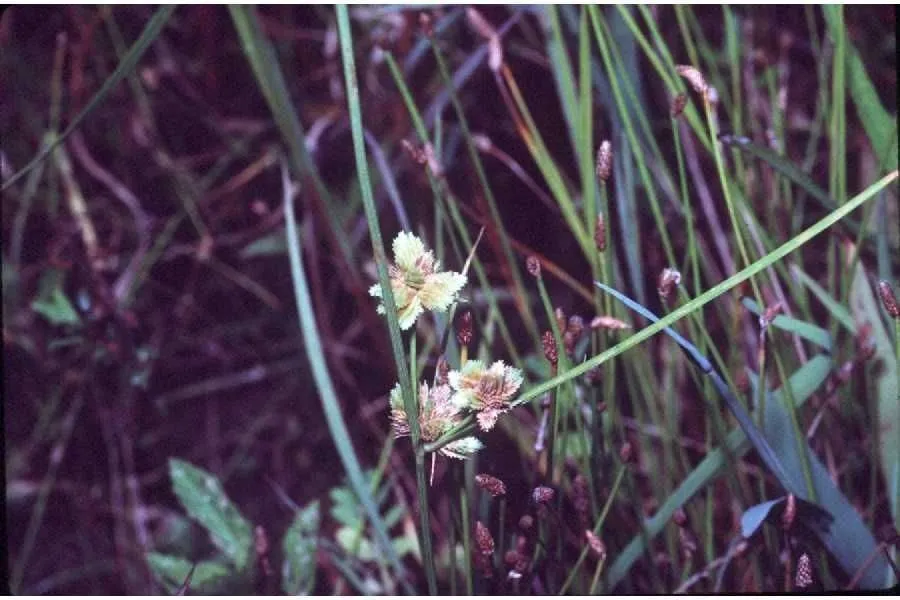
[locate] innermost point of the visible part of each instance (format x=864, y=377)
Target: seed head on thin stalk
x=668, y=280
x=889, y=299
x=490, y=484
x=551, y=352
x=598, y=548
x=804, y=577
x=695, y=78
x=484, y=542
x=604, y=161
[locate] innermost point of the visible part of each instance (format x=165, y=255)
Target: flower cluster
x=417, y=282
x=437, y=416
x=475, y=388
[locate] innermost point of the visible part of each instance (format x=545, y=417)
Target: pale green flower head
x=463, y=448
x=417, y=282
x=437, y=416
x=485, y=390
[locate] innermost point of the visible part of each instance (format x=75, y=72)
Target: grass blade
x=406, y=383
x=803, y=383
x=316, y=355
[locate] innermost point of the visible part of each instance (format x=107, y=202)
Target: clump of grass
x=517, y=427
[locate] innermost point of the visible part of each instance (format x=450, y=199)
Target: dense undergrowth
x=208, y=387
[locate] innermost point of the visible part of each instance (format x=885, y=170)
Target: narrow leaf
x=807, y=331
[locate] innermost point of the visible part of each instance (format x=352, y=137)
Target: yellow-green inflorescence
x=418, y=284
x=486, y=391
x=417, y=281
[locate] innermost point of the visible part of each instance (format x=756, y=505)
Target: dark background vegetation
x=205, y=361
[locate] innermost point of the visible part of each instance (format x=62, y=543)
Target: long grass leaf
x=712, y=293
x=409, y=399
x=803, y=383
x=316, y=355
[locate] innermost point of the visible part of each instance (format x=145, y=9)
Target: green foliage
x=202, y=496
x=52, y=302
x=298, y=572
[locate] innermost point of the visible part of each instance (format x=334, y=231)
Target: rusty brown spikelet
x=551, y=352
x=490, y=484
x=889, y=299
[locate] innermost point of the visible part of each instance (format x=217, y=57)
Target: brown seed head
x=678, y=104
x=598, y=548
x=600, y=233
x=464, y=332
x=804, y=577
x=680, y=517
x=551, y=352
x=694, y=77
x=490, y=484
x=889, y=299
x=483, y=539
x=668, y=279
x=533, y=265
x=543, y=494
x=604, y=161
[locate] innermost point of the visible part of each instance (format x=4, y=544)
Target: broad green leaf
x=847, y=538
x=803, y=383
x=298, y=572
x=205, y=501
x=807, y=331
x=884, y=379
x=173, y=570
